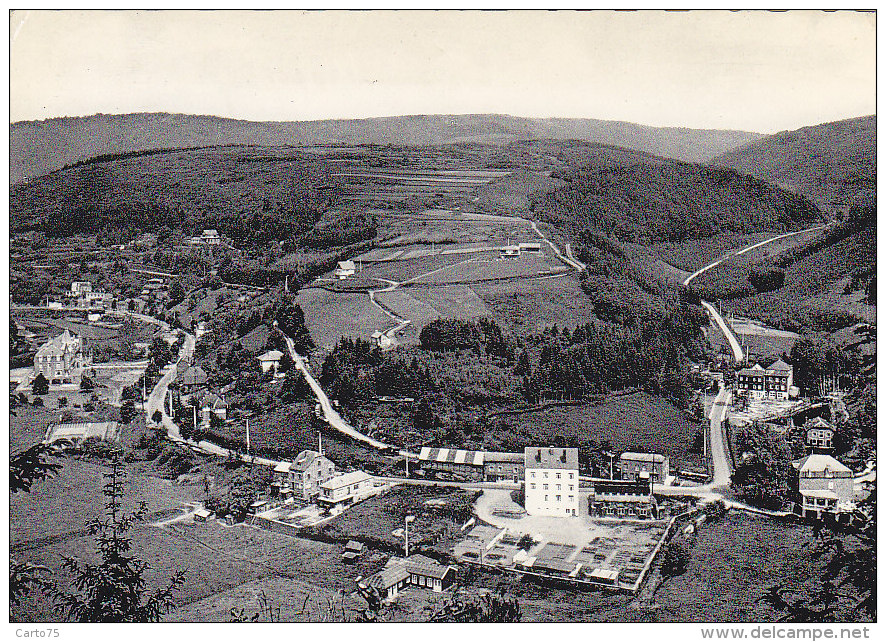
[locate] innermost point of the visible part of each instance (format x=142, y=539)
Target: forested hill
x=40, y=147
x=834, y=163
x=646, y=200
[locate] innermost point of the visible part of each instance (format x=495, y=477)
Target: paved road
x=737, y=352
x=332, y=417
x=578, y=265
x=753, y=247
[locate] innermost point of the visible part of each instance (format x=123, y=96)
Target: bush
x=675, y=560
x=40, y=386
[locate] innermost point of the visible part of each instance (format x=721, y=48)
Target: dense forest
x=651, y=202
x=834, y=164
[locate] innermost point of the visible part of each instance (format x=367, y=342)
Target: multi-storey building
x=551, y=486
x=61, y=359
x=630, y=499
x=819, y=435
x=307, y=471
x=633, y=465
x=825, y=486
x=774, y=382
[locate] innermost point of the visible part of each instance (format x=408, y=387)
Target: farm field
x=480, y=269
x=757, y=341
x=332, y=315
x=452, y=301
x=632, y=421
x=405, y=306
x=536, y=304
x=734, y=562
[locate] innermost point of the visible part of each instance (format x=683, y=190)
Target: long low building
x=450, y=462
x=71, y=435
x=472, y=465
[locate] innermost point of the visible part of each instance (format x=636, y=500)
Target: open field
x=452, y=301
x=634, y=421
x=332, y=315
x=404, y=305
x=734, y=562
x=536, y=304
x=435, y=526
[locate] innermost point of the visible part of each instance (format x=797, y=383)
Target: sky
x=756, y=71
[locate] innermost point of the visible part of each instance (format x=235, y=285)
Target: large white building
x=551, y=486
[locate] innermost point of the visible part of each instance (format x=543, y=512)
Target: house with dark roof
x=653, y=466
x=819, y=435
x=551, y=486
x=774, y=382
x=415, y=570
x=623, y=498
x=503, y=466
x=191, y=379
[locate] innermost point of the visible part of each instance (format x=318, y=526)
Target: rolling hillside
x=644, y=199
x=40, y=147
x=834, y=164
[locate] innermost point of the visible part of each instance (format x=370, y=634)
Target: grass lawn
x=374, y=520
x=734, y=561
x=635, y=421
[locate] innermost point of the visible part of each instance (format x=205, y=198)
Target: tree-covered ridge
x=834, y=164
x=651, y=202
x=250, y=195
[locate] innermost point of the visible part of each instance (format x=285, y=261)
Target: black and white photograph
x=443, y=316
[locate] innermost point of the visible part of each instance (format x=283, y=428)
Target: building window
x=532, y=474
x=532, y=486
x=558, y=475
x=546, y=486
x=570, y=475
x=546, y=475
x=558, y=498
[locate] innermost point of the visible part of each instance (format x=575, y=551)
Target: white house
x=345, y=489
x=270, y=360
x=345, y=269
x=532, y=247
x=509, y=251
x=825, y=485
x=551, y=486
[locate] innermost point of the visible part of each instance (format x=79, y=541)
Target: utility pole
x=409, y=518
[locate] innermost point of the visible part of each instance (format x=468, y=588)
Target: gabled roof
x=819, y=422
x=304, y=460
x=347, y=265
x=282, y=467
x=819, y=463
x=345, y=480
x=500, y=458
x=271, y=355
x=193, y=376
x=780, y=366
x=422, y=565
x=389, y=576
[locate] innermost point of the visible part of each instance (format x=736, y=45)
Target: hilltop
x=644, y=199
x=834, y=164
x=40, y=147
